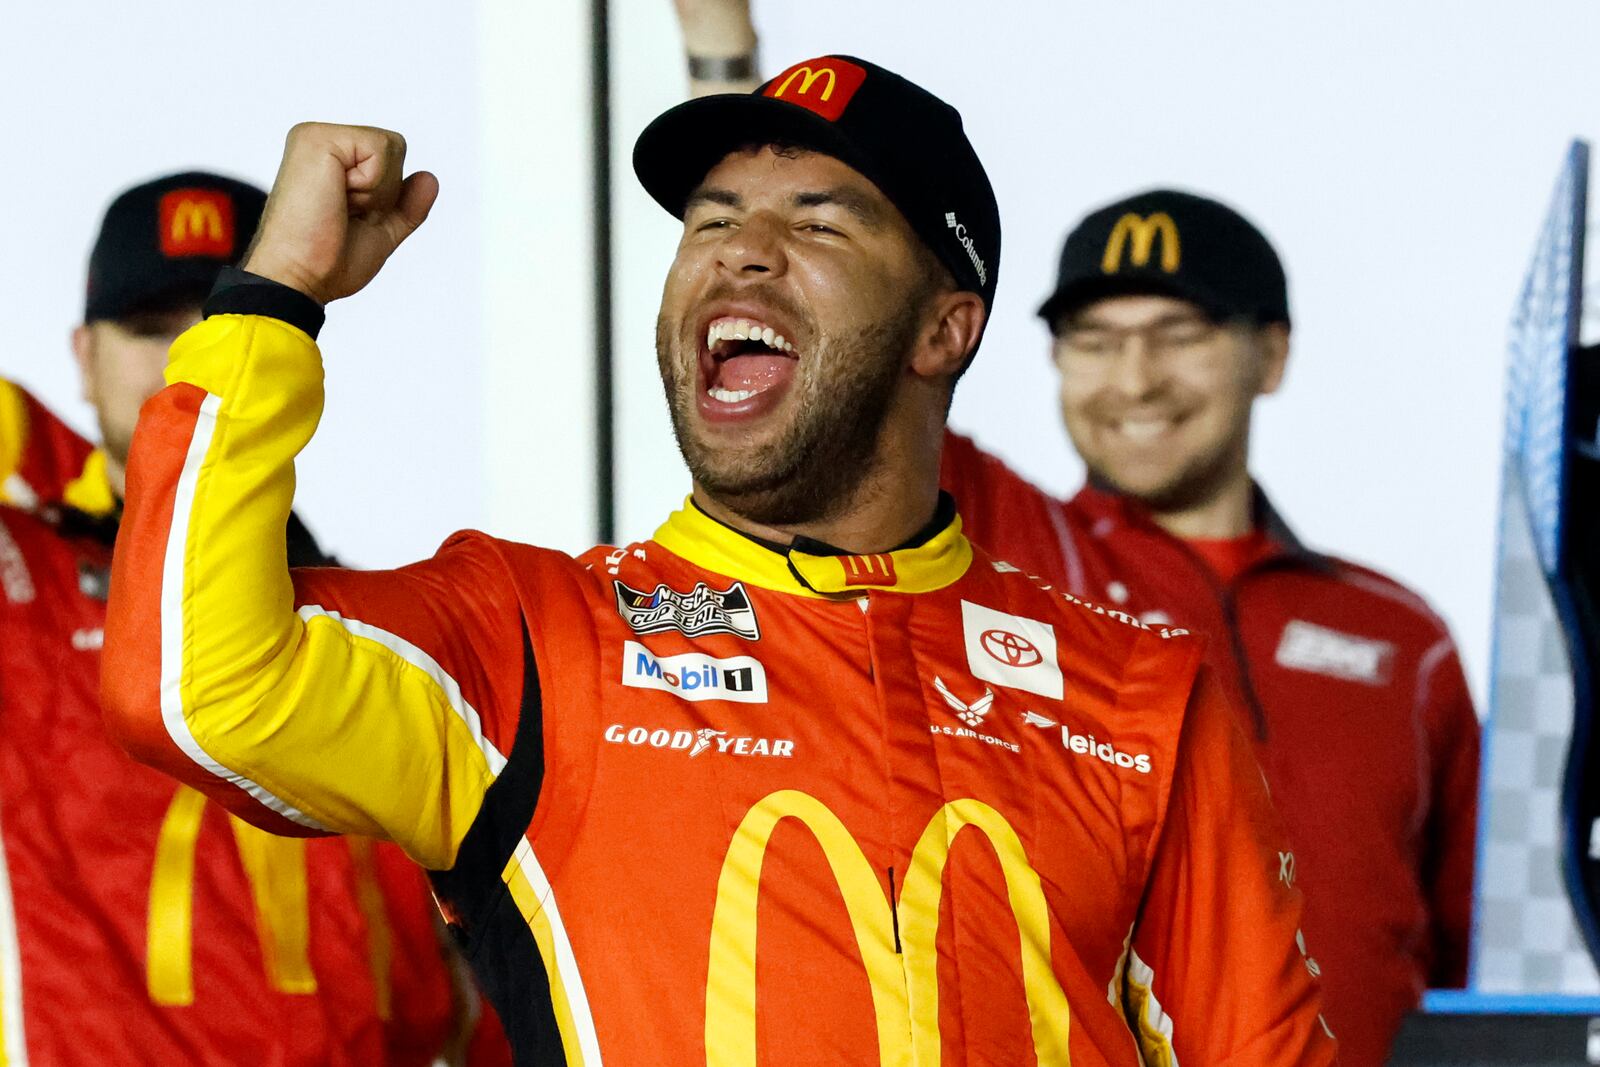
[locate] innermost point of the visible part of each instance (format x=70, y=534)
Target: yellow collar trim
x=695, y=536
x=90, y=492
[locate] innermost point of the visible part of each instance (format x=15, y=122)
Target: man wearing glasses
x=1169, y=318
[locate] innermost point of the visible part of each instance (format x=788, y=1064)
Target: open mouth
x=745, y=366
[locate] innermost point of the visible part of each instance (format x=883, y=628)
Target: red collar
x=1105, y=506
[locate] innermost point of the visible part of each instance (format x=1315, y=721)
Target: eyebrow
x=707, y=194
x=859, y=204
x=856, y=202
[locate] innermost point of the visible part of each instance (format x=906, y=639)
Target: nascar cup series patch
x=701, y=611
x=1012, y=651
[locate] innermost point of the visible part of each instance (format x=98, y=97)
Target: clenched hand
x=340, y=206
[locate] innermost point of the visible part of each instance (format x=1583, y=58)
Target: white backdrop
x=100, y=95
x=1400, y=156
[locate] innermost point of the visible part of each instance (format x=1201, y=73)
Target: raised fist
x=339, y=208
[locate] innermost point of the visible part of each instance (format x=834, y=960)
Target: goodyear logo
x=197, y=222
x=1138, y=234
x=824, y=85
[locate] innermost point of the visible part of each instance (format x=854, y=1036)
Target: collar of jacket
x=811, y=568
x=90, y=492
x=1108, y=505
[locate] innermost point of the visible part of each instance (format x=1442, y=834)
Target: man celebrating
x=139, y=924
x=954, y=809
x=1170, y=317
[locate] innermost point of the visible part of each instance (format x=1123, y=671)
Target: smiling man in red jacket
x=804, y=778
x=1169, y=318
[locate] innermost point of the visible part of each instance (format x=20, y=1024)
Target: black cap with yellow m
x=1176, y=244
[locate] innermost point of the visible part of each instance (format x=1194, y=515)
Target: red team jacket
x=42, y=459
x=703, y=801
x=1354, y=695
x=139, y=923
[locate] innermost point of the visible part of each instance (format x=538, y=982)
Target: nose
x=1137, y=372
x=754, y=250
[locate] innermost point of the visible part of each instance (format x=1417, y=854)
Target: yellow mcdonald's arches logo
x=807, y=78
x=276, y=870
x=196, y=219
x=1141, y=232
x=904, y=985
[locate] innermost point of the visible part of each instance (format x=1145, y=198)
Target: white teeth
x=730, y=396
x=746, y=330
x=1144, y=429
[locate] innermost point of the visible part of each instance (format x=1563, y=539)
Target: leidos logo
x=196, y=222
x=1087, y=745
x=697, y=613
x=1141, y=233
x=695, y=676
x=822, y=85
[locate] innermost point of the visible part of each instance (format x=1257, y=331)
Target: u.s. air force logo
x=701, y=611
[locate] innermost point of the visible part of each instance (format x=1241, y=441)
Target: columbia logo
x=951, y=222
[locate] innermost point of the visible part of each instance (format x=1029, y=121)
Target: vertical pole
x=604, y=398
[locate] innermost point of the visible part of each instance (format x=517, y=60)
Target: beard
x=1193, y=485
x=839, y=402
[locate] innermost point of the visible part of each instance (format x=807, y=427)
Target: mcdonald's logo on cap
x=868, y=570
x=821, y=85
x=898, y=939
x=1141, y=232
x=197, y=222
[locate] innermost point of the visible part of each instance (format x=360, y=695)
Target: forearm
x=719, y=41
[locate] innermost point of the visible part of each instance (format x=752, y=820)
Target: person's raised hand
x=716, y=27
x=340, y=205
x=715, y=34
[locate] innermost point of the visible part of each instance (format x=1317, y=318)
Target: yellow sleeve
x=377, y=703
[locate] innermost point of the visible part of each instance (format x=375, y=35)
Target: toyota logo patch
x=1011, y=649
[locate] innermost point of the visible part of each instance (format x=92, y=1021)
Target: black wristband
x=723, y=68
x=238, y=292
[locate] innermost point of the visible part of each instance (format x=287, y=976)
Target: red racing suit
x=43, y=460
x=140, y=924
x=1354, y=695
x=700, y=800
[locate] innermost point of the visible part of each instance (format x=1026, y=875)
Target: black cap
x=1172, y=244
x=902, y=138
x=166, y=240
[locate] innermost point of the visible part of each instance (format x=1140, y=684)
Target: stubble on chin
x=811, y=468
